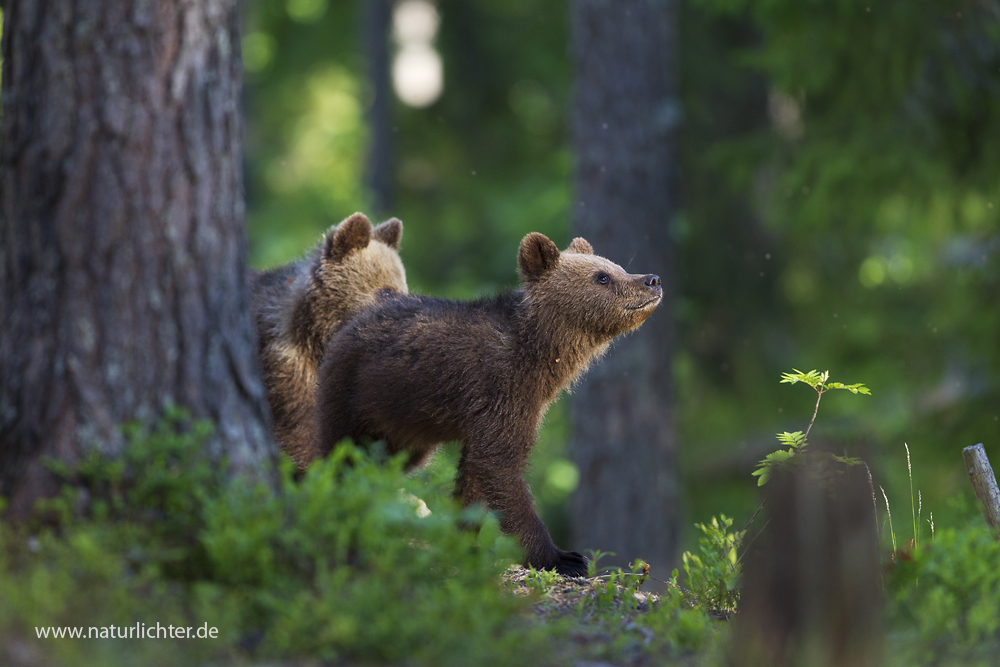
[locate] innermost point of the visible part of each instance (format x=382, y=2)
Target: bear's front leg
x=499, y=484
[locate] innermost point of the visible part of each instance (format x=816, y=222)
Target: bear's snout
x=652, y=280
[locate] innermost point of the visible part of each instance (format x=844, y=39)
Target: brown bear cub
x=416, y=371
x=297, y=307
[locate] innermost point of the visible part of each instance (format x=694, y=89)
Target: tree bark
x=123, y=251
x=625, y=107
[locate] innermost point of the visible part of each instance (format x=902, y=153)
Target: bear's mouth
x=654, y=300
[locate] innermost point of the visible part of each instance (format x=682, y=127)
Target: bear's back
x=420, y=324
x=433, y=362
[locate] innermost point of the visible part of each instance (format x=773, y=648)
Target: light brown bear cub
x=297, y=307
x=416, y=371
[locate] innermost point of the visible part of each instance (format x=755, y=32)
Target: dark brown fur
x=417, y=371
x=299, y=306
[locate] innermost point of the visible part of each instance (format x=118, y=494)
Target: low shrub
x=344, y=564
x=945, y=597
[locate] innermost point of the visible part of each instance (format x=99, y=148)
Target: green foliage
x=626, y=626
x=819, y=382
x=796, y=442
x=714, y=576
x=840, y=205
x=914, y=506
x=339, y=565
x=617, y=589
x=944, y=600
x=612, y=627
x=888, y=513
x=594, y=557
x=670, y=631
x=541, y=580
x=305, y=134
x=680, y=630
x=607, y=590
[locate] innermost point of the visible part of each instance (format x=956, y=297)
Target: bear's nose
x=652, y=280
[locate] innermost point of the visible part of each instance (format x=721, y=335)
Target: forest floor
x=602, y=623
x=559, y=595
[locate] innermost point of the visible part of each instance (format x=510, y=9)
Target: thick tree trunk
x=377, y=19
x=122, y=243
x=625, y=107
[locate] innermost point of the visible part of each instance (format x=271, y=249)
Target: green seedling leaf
x=795, y=440
x=777, y=457
x=813, y=378
x=853, y=388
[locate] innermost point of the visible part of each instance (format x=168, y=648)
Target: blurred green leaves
x=306, y=11
x=315, y=173
x=341, y=564
x=474, y=172
x=944, y=599
x=857, y=200
x=258, y=51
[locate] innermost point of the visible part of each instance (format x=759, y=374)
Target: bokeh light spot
x=418, y=75
x=417, y=70
x=901, y=269
x=872, y=271
x=258, y=51
x=305, y=11
x=562, y=476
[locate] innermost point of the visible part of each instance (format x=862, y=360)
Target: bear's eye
x=602, y=278
x=386, y=291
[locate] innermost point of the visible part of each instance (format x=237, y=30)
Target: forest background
x=839, y=208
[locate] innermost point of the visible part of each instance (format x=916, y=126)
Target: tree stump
x=813, y=591
x=984, y=483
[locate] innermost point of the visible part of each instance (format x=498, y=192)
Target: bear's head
x=358, y=264
x=584, y=291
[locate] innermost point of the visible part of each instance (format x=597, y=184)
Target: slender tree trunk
x=625, y=107
x=377, y=18
x=122, y=244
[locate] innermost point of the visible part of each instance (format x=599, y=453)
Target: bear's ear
x=389, y=232
x=536, y=257
x=580, y=246
x=352, y=234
